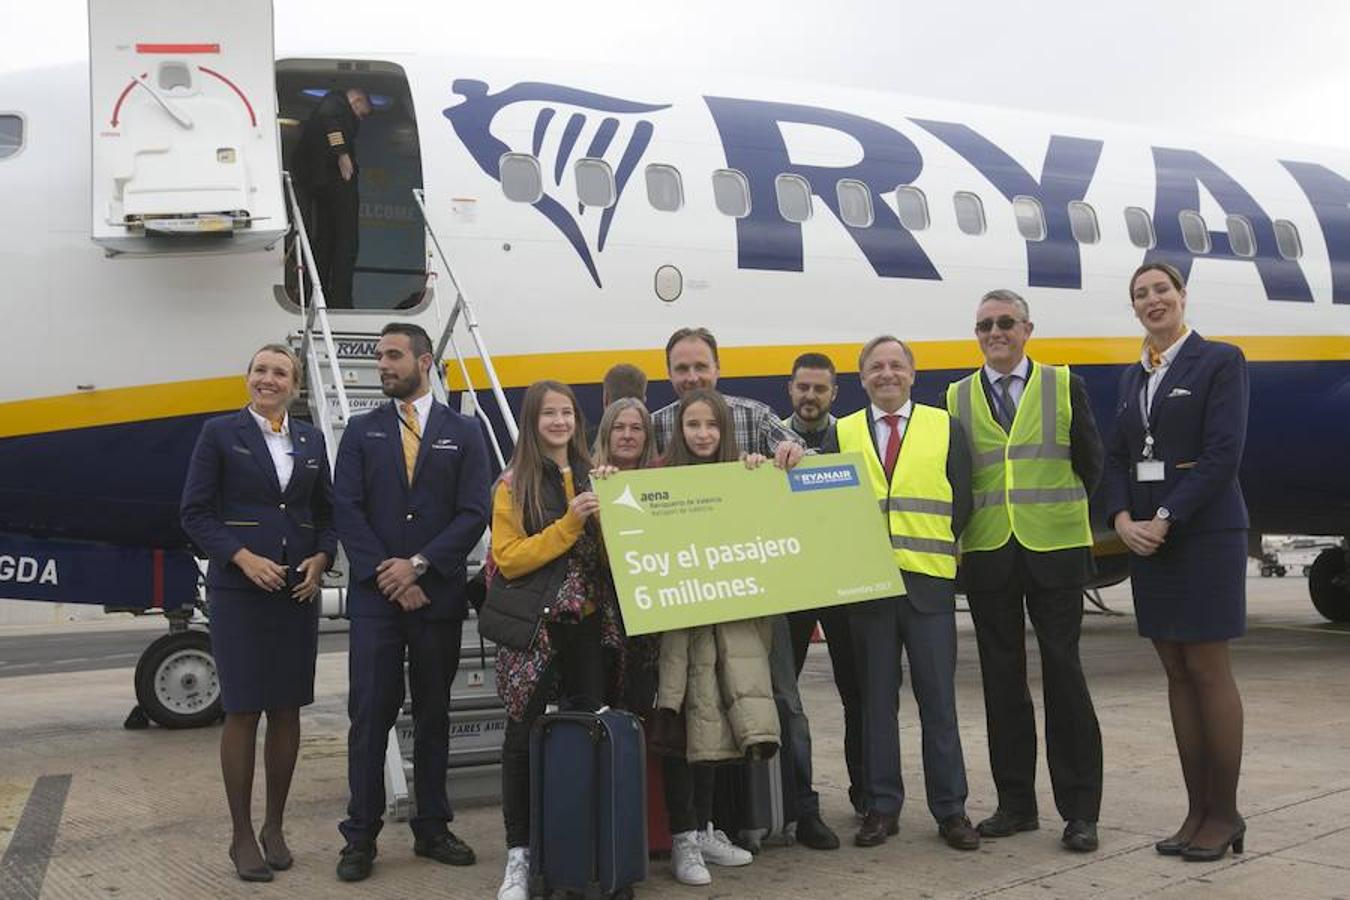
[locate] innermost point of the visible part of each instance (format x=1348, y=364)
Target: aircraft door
x=184, y=134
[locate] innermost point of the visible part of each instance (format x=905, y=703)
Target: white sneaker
x=516, y=881
x=720, y=851
x=686, y=860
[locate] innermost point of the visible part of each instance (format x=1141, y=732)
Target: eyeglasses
x=1004, y=323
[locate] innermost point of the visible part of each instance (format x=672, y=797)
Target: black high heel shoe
x=255, y=874
x=1171, y=846
x=1193, y=853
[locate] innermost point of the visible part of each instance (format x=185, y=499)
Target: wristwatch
x=1163, y=513
x=419, y=564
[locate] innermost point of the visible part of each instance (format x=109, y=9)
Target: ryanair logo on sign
x=822, y=478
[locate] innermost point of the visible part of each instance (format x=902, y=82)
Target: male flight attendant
x=1037, y=457
x=919, y=468
x=411, y=501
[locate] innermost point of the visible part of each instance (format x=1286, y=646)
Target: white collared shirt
x=882, y=432
x=278, y=445
x=423, y=406
x=1019, y=374
x=1155, y=376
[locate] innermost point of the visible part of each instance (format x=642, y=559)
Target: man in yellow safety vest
x=1036, y=456
x=919, y=467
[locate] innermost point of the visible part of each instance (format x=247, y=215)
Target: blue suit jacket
x=1199, y=425
x=441, y=515
x=232, y=498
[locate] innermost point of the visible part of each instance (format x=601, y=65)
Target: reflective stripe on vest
x=1023, y=481
x=917, y=502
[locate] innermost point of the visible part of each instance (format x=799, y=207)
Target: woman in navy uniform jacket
x=259, y=503
x=1172, y=494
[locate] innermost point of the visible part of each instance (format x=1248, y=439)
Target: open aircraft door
x=185, y=151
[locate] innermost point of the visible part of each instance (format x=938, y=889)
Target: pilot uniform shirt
x=279, y=445
x=423, y=407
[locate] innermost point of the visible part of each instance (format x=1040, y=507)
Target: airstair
x=342, y=380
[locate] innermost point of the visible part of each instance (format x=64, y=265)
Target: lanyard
x=1143, y=414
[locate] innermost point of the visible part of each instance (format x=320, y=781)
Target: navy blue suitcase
x=588, y=820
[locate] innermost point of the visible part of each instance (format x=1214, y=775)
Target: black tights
x=238, y=742
x=1207, y=722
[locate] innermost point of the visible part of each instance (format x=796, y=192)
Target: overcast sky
x=1242, y=66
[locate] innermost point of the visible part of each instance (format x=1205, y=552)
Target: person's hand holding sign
x=787, y=454
x=584, y=505
x=753, y=460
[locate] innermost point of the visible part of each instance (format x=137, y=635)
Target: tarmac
x=88, y=810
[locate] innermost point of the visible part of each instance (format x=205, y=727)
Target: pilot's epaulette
x=335, y=138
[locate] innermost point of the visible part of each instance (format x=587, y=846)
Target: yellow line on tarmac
x=13, y=798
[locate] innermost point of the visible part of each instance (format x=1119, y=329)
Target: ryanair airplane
x=147, y=248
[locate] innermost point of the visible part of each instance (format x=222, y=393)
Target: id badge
x=1150, y=470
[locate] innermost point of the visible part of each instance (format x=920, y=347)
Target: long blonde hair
x=600, y=452
x=527, y=460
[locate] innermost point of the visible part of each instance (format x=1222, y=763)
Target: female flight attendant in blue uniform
x=259, y=503
x=1171, y=492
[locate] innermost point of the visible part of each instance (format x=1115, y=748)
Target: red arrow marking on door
x=123, y=96
x=234, y=87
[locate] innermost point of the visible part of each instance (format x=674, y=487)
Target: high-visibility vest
x=917, y=502
x=1023, y=480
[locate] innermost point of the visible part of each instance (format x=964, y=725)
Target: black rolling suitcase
x=588, y=823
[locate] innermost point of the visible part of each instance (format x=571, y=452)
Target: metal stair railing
x=463, y=310
x=315, y=313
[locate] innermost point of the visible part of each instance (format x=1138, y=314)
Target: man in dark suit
x=411, y=501
x=1029, y=545
x=324, y=172
x=924, y=494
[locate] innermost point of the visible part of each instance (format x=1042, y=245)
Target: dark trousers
x=374, y=700
x=579, y=661
x=1073, y=739
x=332, y=219
x=839, y=641
x=689, y=793
x=880, y=628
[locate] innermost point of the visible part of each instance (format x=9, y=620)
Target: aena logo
x=627, y=499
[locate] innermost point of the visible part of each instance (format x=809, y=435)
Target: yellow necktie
x=412, y=438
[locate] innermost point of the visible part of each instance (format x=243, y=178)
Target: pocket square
x=1179, y=392
x=244, y=450
x=376, y=434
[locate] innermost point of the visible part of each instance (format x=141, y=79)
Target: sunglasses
x=1004, y=323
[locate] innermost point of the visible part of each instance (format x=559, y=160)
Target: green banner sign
x=696, y=545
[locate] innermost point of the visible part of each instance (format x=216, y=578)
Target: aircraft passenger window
x=11, y=135
x=912, y=206
x=1030, y=218
x=521, y=179
x=665, y=190
x=969, y=212
x=731, y=193
x=794, y=197
x=1083, y=222
x=1287, y=239
x=1139, y=224
x=1241, y=236
x=855, y=203
x=595, y=183
x=1193, y=231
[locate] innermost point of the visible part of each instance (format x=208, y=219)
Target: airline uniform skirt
x=1193, y=589
x=265, y=646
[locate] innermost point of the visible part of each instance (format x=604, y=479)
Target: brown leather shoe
x=959, y=834
x=876, y=827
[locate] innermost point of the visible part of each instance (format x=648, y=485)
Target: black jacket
x=329, y=132
x=991, y=570
x=515, y=606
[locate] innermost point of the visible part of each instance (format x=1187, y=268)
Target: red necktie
x=892, y=444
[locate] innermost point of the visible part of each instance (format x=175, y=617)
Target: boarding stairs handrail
x=316, y=313
x=463, y=309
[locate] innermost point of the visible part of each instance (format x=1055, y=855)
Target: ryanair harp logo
x=567, y=124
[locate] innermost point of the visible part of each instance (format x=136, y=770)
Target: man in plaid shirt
x=691, y=359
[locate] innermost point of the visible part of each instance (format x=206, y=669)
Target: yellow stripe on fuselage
x=117, y=406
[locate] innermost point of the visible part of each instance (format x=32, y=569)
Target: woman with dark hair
x=1171, y=492
x=560, y=622
x=258, y=501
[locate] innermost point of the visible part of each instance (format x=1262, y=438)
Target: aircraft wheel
x=1328, y=585
x=176, y=681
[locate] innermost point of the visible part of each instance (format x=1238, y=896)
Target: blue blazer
x=232, y=498
x=441, y=515
x=1199, y=425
